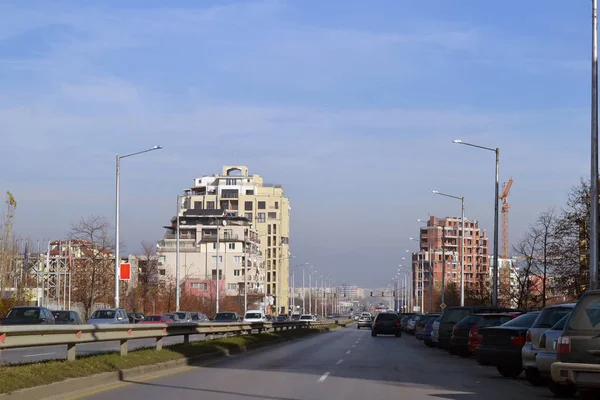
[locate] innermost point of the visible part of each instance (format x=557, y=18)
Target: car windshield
x=23, y=313
x=586, y=315
x=488, y=321
x=550, y=316
x=61, y=315
x=254, y=316
x=153, y=318
x=103, y=314
x=523, y=321
x=225, y=316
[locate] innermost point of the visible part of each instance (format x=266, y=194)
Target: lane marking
x=348, y=352
x=353, y=346
x=38, y=355
x=339, y=362
x=322, y=379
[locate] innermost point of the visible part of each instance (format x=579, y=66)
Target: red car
x=157, y=319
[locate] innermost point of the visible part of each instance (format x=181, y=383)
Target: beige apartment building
x=237, y=248
x=240, y=194
x=442, y=238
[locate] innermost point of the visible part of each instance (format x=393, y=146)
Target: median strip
x=18, y=377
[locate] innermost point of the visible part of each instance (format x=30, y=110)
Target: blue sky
x=351, y=105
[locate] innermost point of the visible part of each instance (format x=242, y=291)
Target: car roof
x=501, y=314
x=254, y=311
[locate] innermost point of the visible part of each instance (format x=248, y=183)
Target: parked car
x=386, y=324
x=282, y=318
x=157, y=319
x=420, y=326
x=174, y=317
x=578, y=348
x=435, y=332
x=198, y=317
x=546, y=356
x=412, y=322
x=548, y=317
x=453, y=315
x=307, y=318
x=487, y=322
x=24, y=315
x=462, y=330
x=252, y=316
x=501, y=346
x=109, y=316
x=185, y=317
x=404, y=318
x=66, y=317
x=226, y=316
x=364, y=321
x=135, y=317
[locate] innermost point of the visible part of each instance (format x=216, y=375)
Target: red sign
x=125, y=272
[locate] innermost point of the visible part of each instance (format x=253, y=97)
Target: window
x=210, y=205
x=268, y=230
x=274, y=253
x=268, y=264
x=214, y=259
x=274, y=229
x=237, y=272
x=248, y=205
x=277, y=205
x=454, y=274
x=274, y=275
x=214, y=246
x=237, y=259
x=232, y=286
x=248, y=215
x=198, y=205
x=272, y=215
x=268, y=276
x=250, y=191
x=262, y=205
x=268, y=289
x=231, y=246
x=275, y=264
x=200, y=286
x=261, y=217
x=269, y=240
x=268, y=253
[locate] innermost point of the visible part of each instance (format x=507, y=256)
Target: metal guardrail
x=71, y=335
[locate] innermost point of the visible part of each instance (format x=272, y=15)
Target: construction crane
x=505, y=206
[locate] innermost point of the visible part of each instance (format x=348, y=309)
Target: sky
x=352, y=106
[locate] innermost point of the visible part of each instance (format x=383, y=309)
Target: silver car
x=546, y=356
x=546, y=320
x=109, y=316
x=435, y=330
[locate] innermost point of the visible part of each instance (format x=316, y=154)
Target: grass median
x=16, y=377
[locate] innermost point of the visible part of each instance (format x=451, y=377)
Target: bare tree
x=522, y=294
x=544, y=230
x=92, y=270
x=147, y=279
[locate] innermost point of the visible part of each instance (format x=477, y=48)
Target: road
x=344, y=364
x=43, y=353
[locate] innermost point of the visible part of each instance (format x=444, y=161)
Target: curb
x=75, y=386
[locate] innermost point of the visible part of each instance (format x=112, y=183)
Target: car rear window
x=454, y=315
x=253, y=316
x=23, y=313
x=470, y=320
x=387, y=317
x=61, y=315
x=523, y=321
x=490, y=320
x=153, y=318
x=586, y=315
x=550, y=316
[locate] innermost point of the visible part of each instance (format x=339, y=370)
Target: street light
x=118, y=217
x=496, y=198
x=462, y=253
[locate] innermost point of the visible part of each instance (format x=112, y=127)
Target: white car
x=253, y=316
x=307, y=318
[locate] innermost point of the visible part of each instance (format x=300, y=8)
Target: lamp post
x=462, y=251
x=218, y=284
x=420, y=290
x=594, y=154
x=118, y=217
x=496, y=199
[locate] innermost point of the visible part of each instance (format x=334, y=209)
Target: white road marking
x=339, y=362
x=322, y=379
x=353, y=346
x=348, y=352
x=38, y=355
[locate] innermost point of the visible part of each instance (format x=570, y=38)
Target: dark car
x=66, y=317
x=420, y=325
x=29, y=316
x=282, y=318
x=462, y=330
x=225, y=317
x=454, y=315
x=501, y=346
x=578, y=348
x=386, y=324
x=404, y=320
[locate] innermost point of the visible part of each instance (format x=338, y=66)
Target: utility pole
x=594, y=161
x=443, y=263
x=177, y=265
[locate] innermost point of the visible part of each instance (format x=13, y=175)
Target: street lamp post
x=118, y=217
x=594, y=154
x=462, y=251
x=496, y=199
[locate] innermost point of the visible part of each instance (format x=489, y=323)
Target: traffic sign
x=125, y=271
x=443, y=306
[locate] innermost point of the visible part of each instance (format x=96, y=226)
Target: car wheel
x=561, y=390
x=373, y=333
x=510, y=371
x=589, y=394
x=533, y=377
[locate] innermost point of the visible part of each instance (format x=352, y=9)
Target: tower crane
x=505, y=206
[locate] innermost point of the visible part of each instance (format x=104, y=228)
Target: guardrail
x=71, y=335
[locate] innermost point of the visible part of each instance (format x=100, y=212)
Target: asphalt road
x=42, y=353
x=344, y=364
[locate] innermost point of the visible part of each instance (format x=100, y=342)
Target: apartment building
x=349, y=292
x=441, y=240
x=267, y=209
x=238, y=252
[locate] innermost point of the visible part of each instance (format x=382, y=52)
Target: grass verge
x=16, y=377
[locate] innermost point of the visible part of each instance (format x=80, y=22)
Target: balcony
x=207, y=238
